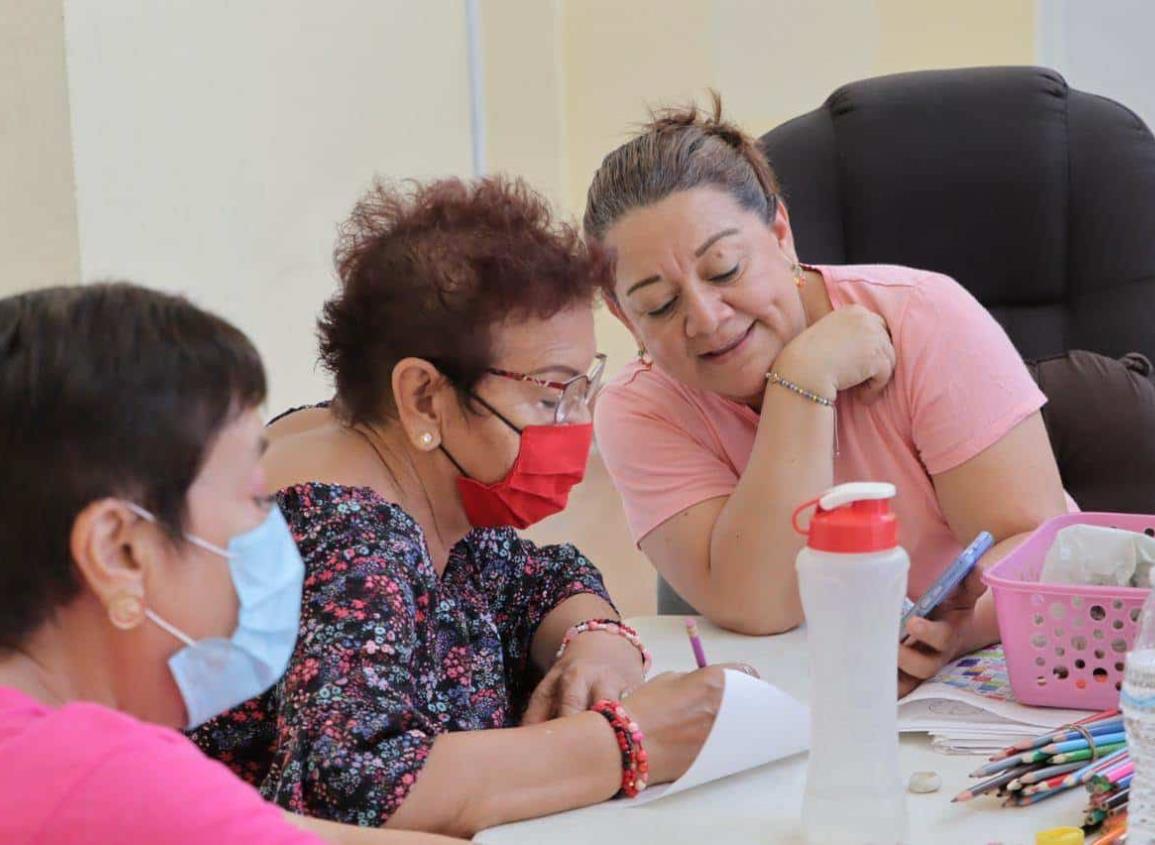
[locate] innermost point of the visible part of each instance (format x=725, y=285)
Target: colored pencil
x=1028, y=744
x=1081, y=742
x=696, y=643
x=1087, y=753
x=1097, y=730
x=1105, y=781
x=1035, y=798
x=1110, y=794
x=1048, y=784
x=1094, y=818
x=1065, y=755
x=987, y=785
x=1045, y=773
x=1114, y=831
x=1026, y=757
x=1119, y=799
x=1094, y=756
x=1083, y=774
x=997, y=766
x=1120, y=763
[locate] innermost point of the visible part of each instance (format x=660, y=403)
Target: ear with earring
x=126, y=611
x=796, y=270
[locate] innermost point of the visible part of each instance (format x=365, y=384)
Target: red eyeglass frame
x=593, y=376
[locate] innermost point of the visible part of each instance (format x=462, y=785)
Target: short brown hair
x=677, y=150
x=106, y=390
x=426, y=271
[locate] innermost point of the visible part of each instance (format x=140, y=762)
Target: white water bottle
x=852, y=578
x=1138, y=704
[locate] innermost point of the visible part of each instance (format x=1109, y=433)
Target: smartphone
x=947, y=582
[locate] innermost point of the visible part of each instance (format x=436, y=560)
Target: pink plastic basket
x=1065, y=643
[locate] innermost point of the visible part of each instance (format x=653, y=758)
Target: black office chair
x=1039, y=199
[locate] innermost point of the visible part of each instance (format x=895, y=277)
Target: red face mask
x=550, y=462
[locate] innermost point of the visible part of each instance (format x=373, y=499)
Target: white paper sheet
x=756, y=724
x=963, y=722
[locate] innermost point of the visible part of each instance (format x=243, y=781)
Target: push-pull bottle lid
x=851, y=518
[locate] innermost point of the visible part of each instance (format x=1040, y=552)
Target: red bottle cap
x=851, y=518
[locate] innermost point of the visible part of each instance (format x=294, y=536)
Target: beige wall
x=218, y=144
x=915, y=34
x=525, y=120
x=38, y=243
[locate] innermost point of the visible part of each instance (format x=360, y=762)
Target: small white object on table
x=764, y=805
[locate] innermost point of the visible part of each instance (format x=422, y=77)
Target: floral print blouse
x=390, y=655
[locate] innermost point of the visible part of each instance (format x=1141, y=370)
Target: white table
x=763, y=805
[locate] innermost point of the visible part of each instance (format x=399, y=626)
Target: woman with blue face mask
x=146, y=581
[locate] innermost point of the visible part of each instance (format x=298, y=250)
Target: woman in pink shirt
x=762, y=381
x=146, y=583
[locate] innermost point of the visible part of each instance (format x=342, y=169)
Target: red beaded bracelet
x=635, y=763
x=610, y=626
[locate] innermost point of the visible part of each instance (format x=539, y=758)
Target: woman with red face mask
x=462, y=347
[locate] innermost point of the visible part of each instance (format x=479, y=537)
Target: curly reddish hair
x=427, y=271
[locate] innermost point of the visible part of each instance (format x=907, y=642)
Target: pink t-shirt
x=87, y=774
x=959, y=386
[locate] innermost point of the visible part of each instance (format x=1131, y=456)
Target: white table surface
x=763, y=805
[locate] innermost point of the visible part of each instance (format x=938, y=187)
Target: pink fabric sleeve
x=965, y=382
x=660, y=453
x=165, y=790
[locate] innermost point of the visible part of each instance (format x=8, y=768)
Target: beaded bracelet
x=610, y=626
x=635, y=763
x=773, y=378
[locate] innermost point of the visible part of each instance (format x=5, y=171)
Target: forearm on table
x=477, y=779
x=347, y=834
x=753, y=543
x=547, y=639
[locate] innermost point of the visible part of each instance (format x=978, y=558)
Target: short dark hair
x=426, y=271
x=680, y=149
x=105, y=390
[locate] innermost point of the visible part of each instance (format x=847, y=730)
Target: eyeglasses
x=576, y=393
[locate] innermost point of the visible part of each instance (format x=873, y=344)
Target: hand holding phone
x=948, y=581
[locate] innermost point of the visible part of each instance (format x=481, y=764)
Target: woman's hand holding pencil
x=700, y=652
x=696, y=642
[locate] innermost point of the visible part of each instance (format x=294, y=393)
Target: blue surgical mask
x=216, y=674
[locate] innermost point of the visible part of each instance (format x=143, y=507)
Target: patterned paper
x=984, y=672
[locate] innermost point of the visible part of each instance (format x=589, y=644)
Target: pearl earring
x=426, y=439
x=125, y=612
